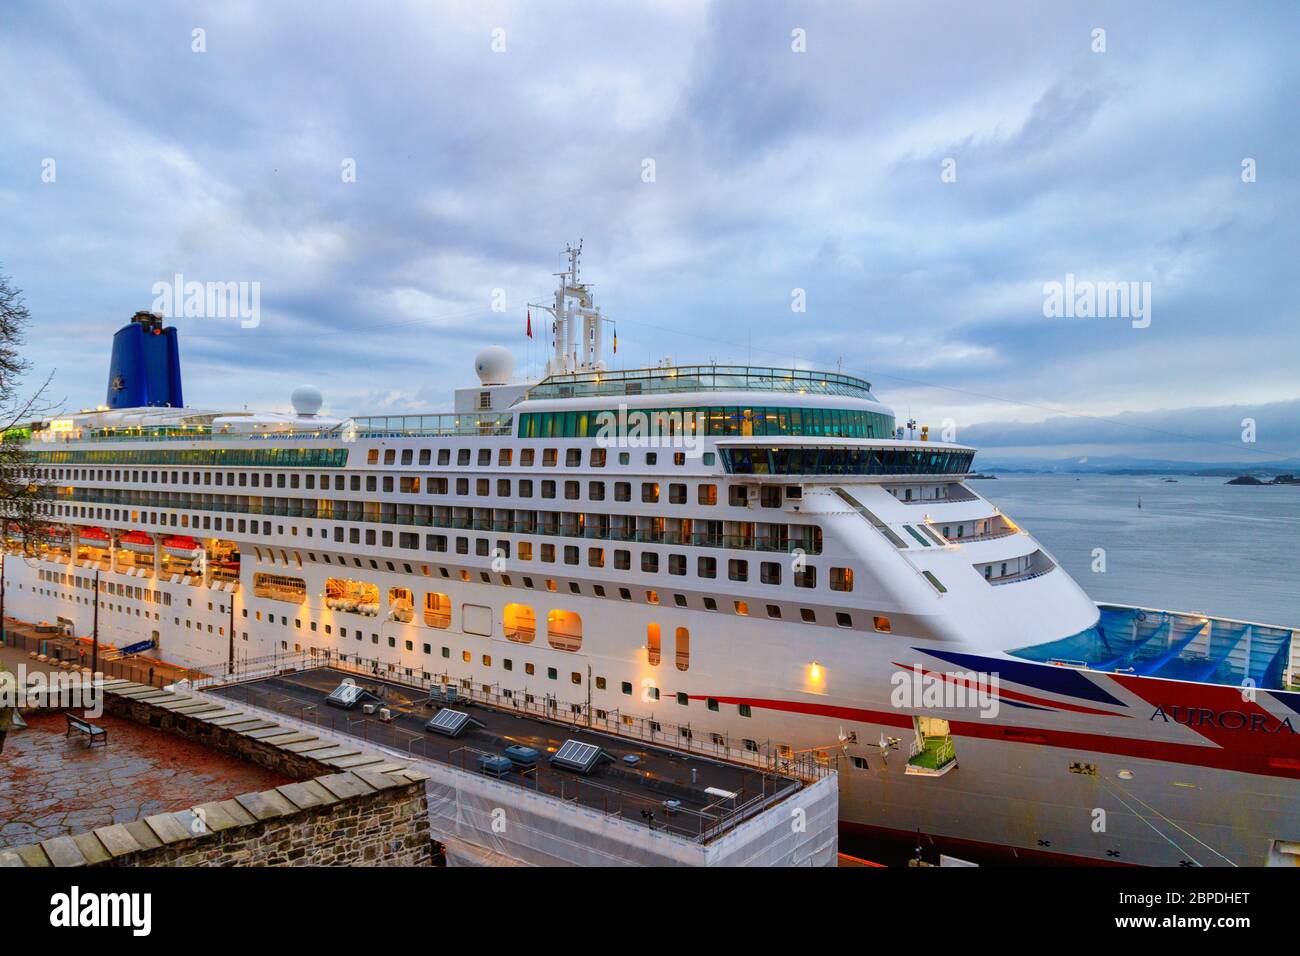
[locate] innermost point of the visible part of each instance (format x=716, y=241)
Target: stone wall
x=388, y=827
x=349, y=808
x=225, y=739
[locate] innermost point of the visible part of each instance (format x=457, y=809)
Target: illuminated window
x=437, y=610
x=653, y=655
x=279, y=587
x=355, y=597
x=520, y=623
x=882, y=624
x=401, y=604
x=683, y=649
x=841, y=579
x=564, y=630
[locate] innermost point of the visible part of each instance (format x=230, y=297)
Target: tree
x=20, y=490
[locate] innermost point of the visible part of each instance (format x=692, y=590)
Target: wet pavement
x=52, y=785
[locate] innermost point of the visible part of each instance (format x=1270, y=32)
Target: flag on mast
x=530, y=323
x=616, y=340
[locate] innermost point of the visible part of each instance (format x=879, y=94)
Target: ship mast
x=574, y=347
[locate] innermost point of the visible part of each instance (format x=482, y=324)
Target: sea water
x=1195, y=544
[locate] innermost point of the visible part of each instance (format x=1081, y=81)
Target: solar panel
x=451, y=723
x=576, y=755
x=345, y=695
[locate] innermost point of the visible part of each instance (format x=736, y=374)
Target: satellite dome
x=307, y=400
x=494, y=365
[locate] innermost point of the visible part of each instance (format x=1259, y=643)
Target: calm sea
x=1194, y=545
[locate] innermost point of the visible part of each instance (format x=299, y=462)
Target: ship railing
x=957, y=495
x=697, y=378
x=987, y=536
x=1017, y=578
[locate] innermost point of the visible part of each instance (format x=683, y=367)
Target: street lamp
x=94, y=634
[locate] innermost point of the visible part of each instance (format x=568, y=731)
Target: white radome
x=494, y=365
x=307, y=400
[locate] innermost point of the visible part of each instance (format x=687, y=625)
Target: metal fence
x=764, y=755
x=650, y=807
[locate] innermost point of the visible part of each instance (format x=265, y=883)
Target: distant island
x=1252, y=480
x=979, y=477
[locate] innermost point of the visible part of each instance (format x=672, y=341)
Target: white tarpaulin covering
x=505, y=820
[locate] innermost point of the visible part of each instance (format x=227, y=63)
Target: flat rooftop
x=614, y=787
x=52, y=785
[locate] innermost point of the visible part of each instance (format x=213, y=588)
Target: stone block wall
x=349, y=808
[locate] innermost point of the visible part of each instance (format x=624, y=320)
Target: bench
x=91, y=731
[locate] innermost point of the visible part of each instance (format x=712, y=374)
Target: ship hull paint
x=1154, y=791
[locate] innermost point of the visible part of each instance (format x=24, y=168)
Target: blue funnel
x=146, y=366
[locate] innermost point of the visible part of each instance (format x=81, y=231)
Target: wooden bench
x=85, y=727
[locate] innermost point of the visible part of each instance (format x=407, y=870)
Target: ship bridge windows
x=846, y=461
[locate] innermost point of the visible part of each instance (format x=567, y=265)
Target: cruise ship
x=761, y=562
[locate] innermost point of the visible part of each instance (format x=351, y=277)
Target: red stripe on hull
x=1214, y=758
x=1003, y=855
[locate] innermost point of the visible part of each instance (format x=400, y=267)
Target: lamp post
x=4, y=550
x=94, y=634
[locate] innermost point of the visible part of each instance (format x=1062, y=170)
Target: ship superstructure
x=760, y=557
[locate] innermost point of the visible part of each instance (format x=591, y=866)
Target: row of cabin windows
x=437, y=606
x=649, y=492
x=505, y=457
x=284, y=479
x=696, y=532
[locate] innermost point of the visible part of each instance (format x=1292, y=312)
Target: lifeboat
x=94, y=537
x=182, y=546
x=136, y=541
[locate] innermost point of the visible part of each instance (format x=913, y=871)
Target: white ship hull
x=1018, y=795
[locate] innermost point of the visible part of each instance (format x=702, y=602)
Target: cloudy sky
x=920, y=170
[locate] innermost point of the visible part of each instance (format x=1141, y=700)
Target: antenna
x=574, y=349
